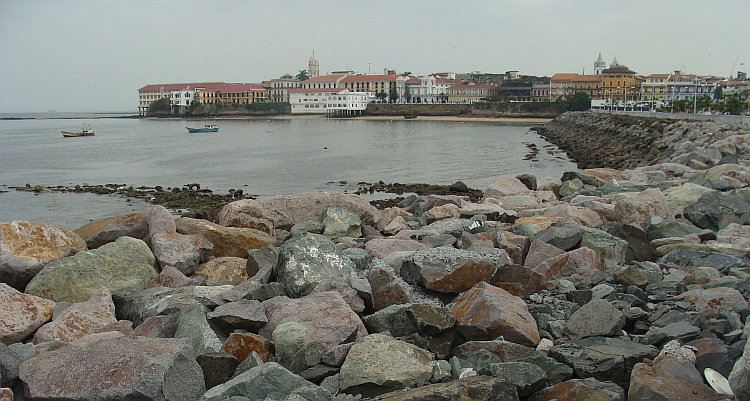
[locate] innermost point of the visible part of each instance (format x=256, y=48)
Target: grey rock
x=581, y=389
x=611, y=250
x=527, y=377
x=268, y=381
x=11, y=358
x=739, y=377
x=562, y=237
x=340, y=285
x=689, y=258
x=261, y=261
x=140, y=305
x=360, y=257
x=715, y=211
x=475, y=388
x=183, y=252
x=193, y=326
x=450, y=270
x=339, y=222
x=555, y=371
x=304, y=261
x=631, y=275
x=242, y=314
x=217, y=367
x=596, y=318
x=252, y=360
x=682, y=331
x=125, y=367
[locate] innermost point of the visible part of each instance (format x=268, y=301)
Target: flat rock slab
x=227, y=241
x=327, y=317
x=286, y=210
x=710, y=300
x=79, y=319
x=124, y=265
x=21, y=314
x=474, y=388
x=450, y=270
x=486, y=312
x=26, y=246
x=140, y=305
x=580, y=390
x=649, y=383
x=112, y=366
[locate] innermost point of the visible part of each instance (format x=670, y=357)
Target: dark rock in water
x=528, y=378
x=124, y=265
x=606, y=359
x=596, y=318
x=715, y=211
x=217, y=367
x=475, y=388
x=688, y=258
x=124, y=367
x=267, y=381
x=450, y=270
x=304, y=261
x=26, y=246
x=581, y=389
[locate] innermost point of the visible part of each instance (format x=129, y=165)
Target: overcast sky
x=94, y=55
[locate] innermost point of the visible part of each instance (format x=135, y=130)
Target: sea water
x=260, y=156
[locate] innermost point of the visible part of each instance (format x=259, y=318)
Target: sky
x=94, y=55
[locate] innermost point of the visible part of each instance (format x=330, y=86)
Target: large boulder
x=505, y=186
x=580, y=262
x=327, y=317
x=223, y=270
x=715, y=211
x=246, y=213
x=486, y=312
x=710, y=301
x=379, y=364
x=124, y=265
x=26, y=246
x=339, y=222
x=123, y=367
x=183, y=252
x=305, y=260
x=79, y=319
x=286, y=210
x=268, y=381
x=382, y=247
x=21, y=314
x=581, y=390
x=596, y=318
x=474, y=388
x=635, y=208
x=688, y=193
x=663, y=379
x=227, y=241
x=450, y=270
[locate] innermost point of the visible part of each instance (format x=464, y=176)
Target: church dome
x=313, y=58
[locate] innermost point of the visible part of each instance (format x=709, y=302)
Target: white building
x=427, y=89
x=332, y=101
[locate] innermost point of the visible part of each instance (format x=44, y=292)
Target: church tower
x=599, y=65
x=313, y=67
x=614, y=63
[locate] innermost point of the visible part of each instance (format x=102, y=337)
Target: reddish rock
x=286, y=210
x=98, y=233
x=588, y=389
x=227, y=241
x=79, y=319
x=382, y=247
x=649, y=382
x=474, y=388
x=240, y=345
x=518, y=280
x=21, y=314
x=327, y=317
x=636, y=208
x=6, y=394
x=26, y=246
x=574, y=214
x=515, y=245
x=710, y=300
x=486, y=312
x=387, y=290
x=183, y=252
x=388, y=215
x=163, y=326
x=246, y=213
x=582, y=261
x=539, y=251
x=223, y=270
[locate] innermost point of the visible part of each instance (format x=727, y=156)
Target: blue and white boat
x=207, y=128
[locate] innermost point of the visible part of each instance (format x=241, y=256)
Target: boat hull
x=204, y=129
x=67, y=134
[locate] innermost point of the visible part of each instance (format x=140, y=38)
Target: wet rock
x=26, y=246
x=21, y=314
x=267, y=382
x=223, y=270
x=446, y=269
x=596, y=318
x=379, y=364
x=246, y=213
x=486, y=312
x=304, y=261
x=715, y=211
x=286, y=210
x=227, y=241
x=183, y=252
x=581, y=389
x=604, y=358
x=124, y=265
x=124, y=368
x=339, y=222
x=79, y=319
x=528, y=378
x=325, y=315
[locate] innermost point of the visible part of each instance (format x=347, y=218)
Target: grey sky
x=93, y=55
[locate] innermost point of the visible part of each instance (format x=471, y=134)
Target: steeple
x=313, y=66
x=599, y=65
x=614, y=63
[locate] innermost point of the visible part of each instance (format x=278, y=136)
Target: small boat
x=85, y=131
x=206, y=128
x=410, y=116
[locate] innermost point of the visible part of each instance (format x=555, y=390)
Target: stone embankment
x=602, y=284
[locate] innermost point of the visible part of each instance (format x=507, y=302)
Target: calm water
x=262, y=157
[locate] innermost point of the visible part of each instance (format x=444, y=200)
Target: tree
x=302, y=75
x=381, y=95
x=579, y=102
x=392, y=93
x=719, y=93
x=160, y=106
x=407, y=93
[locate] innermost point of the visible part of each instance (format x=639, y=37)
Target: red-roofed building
x=564, y=85
x=186, y=92
x=278, y=88
x=374, y=83
x=323, y=82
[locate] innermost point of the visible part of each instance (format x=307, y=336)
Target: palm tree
x=302, y=76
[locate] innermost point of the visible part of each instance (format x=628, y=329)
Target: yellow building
x=619, y=83
x=654, y=88
x=232, y=93
x=468, y=93
x=367, y=83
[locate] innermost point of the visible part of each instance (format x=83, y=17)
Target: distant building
x=181, y=96
x=332, y=101
x=469, y=93
x=323, y=82
x=565, y=85
x=313, y=66
x=619, y=83
x=599, y=65
x=365, y=83
x=686, y=86
x=654, y=88
x=278, y=88
x=232, y=94
x=428, y=89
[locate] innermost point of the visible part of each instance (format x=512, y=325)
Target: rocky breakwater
x=600, y=285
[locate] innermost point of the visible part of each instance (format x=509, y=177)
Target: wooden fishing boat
x=85, y=131
x=206, y=128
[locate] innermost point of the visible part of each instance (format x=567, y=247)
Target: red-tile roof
x=239, y=88
x=180, y=87
x=448, y=81
x=308, y=90
x=368, y=78
x=324, y=78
